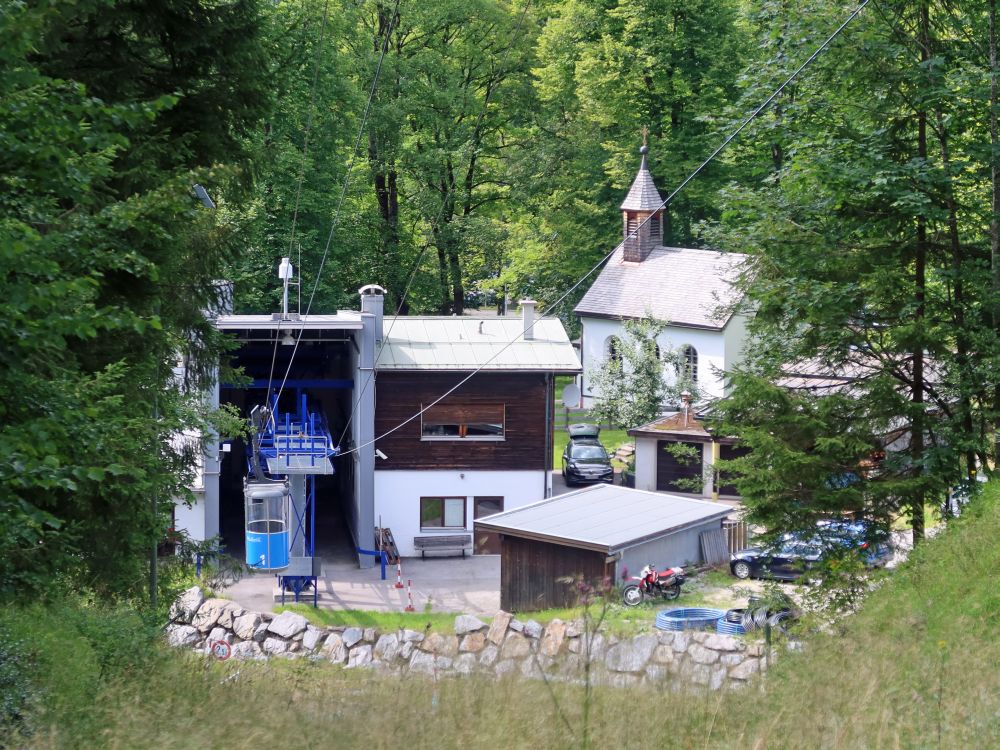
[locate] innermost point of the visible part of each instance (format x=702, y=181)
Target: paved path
x=450, y=584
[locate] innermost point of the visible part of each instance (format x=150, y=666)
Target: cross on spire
x=644, y=132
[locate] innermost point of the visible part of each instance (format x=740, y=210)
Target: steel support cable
x=343, y=195
x=729, y=139
x=437, y=221
x=298, y=187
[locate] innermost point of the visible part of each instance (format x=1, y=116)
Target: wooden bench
x=451, y=541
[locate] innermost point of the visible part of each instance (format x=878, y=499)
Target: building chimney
x=372, y=300
x=528, y=311
x=686, y=405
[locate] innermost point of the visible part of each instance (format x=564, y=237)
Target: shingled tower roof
x=643, y=195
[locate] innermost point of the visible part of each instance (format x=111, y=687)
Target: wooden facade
x=526, y=444
x=531, y=573
x=728, y=452
x=677, y=474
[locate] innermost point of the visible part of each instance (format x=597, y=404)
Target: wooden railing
x=738, y=535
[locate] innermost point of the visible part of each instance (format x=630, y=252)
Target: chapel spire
x=643, y=200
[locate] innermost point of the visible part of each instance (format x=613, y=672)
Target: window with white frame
x=442, y=513
x=687, y=367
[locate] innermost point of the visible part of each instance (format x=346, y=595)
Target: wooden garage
x=595, y=534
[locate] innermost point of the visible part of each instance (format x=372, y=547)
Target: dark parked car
x=793, y=555
x=585, y=460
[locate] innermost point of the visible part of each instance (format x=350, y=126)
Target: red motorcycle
x=650, y=583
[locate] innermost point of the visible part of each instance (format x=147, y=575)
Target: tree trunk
x=385, y=179
x=919, y=289
x=995, y=204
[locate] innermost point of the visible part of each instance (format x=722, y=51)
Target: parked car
x=795, y=554
x=585, y=460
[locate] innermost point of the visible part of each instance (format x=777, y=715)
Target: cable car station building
x=350, y=432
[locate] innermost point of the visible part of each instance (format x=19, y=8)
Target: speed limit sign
x=220, y=650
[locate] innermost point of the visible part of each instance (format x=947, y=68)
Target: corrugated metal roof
x=465, y=343
x=643, y=195
x=604, y=517
x=343, y=320
x=683, y=286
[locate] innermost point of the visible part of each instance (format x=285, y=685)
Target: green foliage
x=869, y=267
x=56, y=657
x=921, y=644
x=107, y=265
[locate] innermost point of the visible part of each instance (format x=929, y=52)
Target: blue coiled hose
x=688, y=618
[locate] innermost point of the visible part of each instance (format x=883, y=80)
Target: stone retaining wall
x=504, y=646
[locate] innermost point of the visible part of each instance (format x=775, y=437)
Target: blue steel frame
x=283, y=437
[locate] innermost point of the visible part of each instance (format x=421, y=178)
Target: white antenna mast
x=285, y=273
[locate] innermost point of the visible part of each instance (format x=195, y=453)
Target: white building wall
x=710, y=345
x=645, y=464
x=735, y=335
x=192, y=519
x=398, y=493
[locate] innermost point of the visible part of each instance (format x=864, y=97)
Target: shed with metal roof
x=598, y=533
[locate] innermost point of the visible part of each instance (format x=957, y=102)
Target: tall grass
x=916, y=668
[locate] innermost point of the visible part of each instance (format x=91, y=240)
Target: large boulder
x=208, y=614
x=352, y=636
x=631, y=655
x=515, y=647
x=246, y=650
x=184, y=607
x=246, y=625
x=555, y=634
x=386, y=647
x=498, y=628
x=439, y=644
x=334, y=649
x=288, y=624
x=468, y=624
x=361, y=656
x=182, y=635
x=275, y=646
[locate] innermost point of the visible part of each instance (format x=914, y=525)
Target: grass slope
x=917, y=668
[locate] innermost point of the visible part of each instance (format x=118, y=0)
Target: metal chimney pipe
x=372, y=301
x=528, y=313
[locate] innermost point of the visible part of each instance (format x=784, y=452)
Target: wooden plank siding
x=400, y=395
x=673, y=474
x=728, y=453
x=530, y=571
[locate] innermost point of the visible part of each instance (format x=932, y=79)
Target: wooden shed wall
x=677, y=475
x=529, y=573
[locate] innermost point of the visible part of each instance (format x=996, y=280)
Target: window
x=687, y=368
x=655, y=233
x=463, y=422
x=442, y=513
x=613, y=349
x=486, y=506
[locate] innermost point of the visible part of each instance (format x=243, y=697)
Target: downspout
x=549, y=427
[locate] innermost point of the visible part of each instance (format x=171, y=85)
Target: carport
x=593, y=534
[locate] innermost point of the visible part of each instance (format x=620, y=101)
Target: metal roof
x=466, y=343
x=682, y=286
x=643, y=195
x=604, y=518
x=343, y=320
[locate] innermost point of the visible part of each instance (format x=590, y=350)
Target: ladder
x=385, y=543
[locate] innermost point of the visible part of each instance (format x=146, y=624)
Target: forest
x=460, y=154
